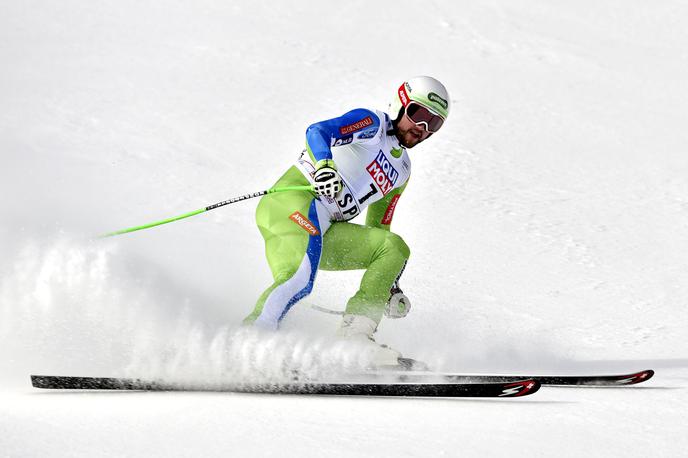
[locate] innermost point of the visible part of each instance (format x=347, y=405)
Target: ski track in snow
x=547, y=221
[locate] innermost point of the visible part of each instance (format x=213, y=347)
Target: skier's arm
x=380, y=213
x=353, y=127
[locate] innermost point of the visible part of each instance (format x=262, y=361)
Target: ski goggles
x=421, y=115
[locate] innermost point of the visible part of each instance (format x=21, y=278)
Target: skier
x=355, y=161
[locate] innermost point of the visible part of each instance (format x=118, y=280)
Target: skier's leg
x=292, y=224
x=383, y=254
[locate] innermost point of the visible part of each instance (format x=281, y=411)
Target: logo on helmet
x=403, y=95
x=438, y=100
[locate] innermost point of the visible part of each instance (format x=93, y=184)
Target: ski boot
x=360, y=328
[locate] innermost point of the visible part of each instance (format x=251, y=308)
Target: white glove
x=327, y=180
x=398, y=305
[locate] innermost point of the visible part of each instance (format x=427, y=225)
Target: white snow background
x=548, y=221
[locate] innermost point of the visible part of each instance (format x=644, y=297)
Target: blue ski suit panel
x=322, y=135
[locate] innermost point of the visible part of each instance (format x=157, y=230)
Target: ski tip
x=638, y=377
x=520, y=388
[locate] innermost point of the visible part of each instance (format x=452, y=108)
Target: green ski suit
x=304, y=232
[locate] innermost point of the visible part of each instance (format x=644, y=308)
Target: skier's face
x=409, y=133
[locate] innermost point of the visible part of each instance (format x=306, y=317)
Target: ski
x=553, y=380
x=508, y=389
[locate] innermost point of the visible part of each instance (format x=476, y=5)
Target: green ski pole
x=210, y=207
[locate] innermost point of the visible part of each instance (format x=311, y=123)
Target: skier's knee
x=395, y=241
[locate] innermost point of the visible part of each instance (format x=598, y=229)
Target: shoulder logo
x=366, y=134
x=438, y=100
x=342, y=141
x=356, y=126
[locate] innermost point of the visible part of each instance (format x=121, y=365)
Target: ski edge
x=450, y=390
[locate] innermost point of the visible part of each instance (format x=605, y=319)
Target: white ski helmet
x=426, y=91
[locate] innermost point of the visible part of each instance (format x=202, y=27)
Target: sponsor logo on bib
x=383, y=173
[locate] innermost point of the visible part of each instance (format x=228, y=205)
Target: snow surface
x=548, y=221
